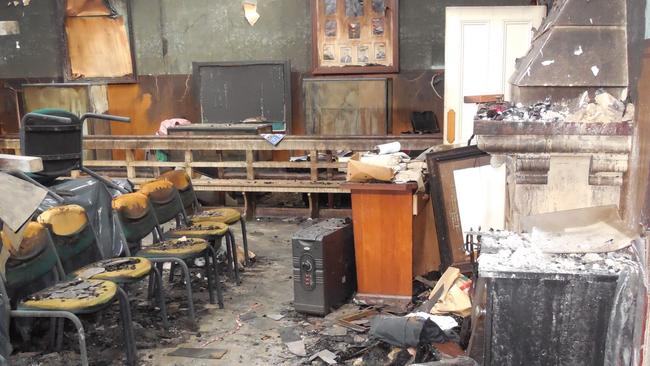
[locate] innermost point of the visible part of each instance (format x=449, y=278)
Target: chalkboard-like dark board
x=230, y=92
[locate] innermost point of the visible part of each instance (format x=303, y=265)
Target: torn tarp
x=406, y=331
x=5, y=344
x=96, y=199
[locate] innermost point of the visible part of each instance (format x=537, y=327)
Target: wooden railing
x=249, y=173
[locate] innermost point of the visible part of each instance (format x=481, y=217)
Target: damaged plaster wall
x=422, y=30
x=171, y=34
x=163, y=28
x=36, y=50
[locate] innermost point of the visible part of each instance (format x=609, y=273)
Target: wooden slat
x=313, y=157
x=27, y=164
x=250, y=174
x=130, y=169
x=188, y=162
x=237, y=142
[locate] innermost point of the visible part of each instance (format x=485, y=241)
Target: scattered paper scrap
x=273, y=138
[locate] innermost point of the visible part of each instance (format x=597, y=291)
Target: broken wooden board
x=98, y=47
x=347, y=321
x=202, y=353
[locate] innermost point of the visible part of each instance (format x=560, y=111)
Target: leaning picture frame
x=368, y=28
x=442, y=188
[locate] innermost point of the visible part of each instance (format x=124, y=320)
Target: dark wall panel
x=36, y=51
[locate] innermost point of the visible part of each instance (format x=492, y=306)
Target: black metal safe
x=323, y=266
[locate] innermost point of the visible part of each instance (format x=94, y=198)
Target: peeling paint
x=578, y=51
x=595, y=70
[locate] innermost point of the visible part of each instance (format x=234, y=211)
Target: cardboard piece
x=451, y=294
x=585, y=230
x=363, y=172
x=18, y=200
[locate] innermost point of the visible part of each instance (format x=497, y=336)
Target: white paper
x=389, y=148
x=443, y=321
x=481, y=196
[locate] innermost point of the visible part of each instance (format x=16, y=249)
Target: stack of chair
x=36, y=286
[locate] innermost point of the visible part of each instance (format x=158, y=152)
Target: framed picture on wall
x=355, y=36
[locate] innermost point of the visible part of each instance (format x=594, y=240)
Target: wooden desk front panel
x=383, y=232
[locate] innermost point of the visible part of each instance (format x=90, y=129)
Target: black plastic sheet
x=95, y=198
x=406, y=331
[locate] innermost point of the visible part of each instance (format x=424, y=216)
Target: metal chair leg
x=188, y=285
x=59, y=314
x=151, y=288
x=160, y=294
x=59, y=335
x=52, y=333
x=233, y=246
x=247, y=260
x=217, y=280
x=127, y=327
x=172, y=269
x=231, y=271
x=208, y=272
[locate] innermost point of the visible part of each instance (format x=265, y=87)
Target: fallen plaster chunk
x=326, y=355
x=297, y=348
x=275, y=317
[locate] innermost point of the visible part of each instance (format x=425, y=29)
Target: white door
x=481, y=45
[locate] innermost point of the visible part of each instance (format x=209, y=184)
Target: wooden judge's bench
x=394, y=240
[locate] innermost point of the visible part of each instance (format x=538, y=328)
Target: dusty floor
x=242, y=328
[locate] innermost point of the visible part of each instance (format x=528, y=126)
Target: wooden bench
x=312, y=177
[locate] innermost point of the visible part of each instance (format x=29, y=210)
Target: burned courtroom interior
x=325, y=182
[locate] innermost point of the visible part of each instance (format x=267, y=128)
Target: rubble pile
x=604, y=108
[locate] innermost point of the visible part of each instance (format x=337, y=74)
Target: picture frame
x=366, y=30
x=451, y=239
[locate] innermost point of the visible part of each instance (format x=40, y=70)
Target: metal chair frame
x=196, y=207
x=181, y=217
x=154, y=275
x=55, y=315
x=68, y=123
x=155, y=230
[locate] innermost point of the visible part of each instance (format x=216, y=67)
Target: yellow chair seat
x=174, y=248
x=117, y=269
x=201, y=229
x=226, y=215
x=73, y=296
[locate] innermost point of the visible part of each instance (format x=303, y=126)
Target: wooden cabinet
x=394, y=240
